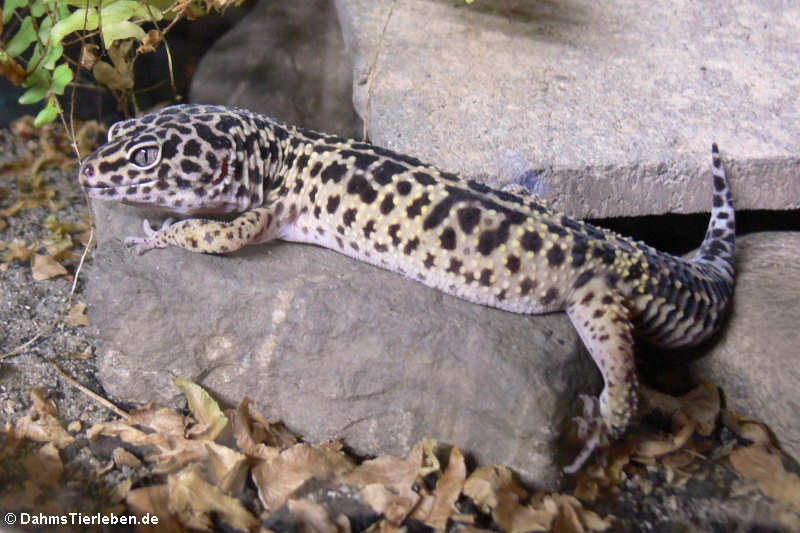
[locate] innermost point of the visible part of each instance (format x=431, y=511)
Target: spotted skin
x=501, y=248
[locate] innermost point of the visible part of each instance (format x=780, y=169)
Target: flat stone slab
x=604, y=108
x=335, y=348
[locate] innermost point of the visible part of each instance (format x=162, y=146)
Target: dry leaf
x=313, y=517
x=43, y=426
x=154, y=501
x=278, y=478
x=123, y=457
x=90, y=53
x=759, y=463
x=18, y=250
x=150, y=42
x=387, y=483
x=77, y=315
x=657, y=448
x=250, y=434
x=211, y=420
x=195, y=501
x=45, y=267
x=448, y=488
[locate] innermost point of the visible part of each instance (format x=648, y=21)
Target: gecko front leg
x=209, y=236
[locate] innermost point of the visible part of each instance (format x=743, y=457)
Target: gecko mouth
x=107, y=187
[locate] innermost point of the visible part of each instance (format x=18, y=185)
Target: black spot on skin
x=106, y=167
x=468, y=218
x=424, y=179
x=359, y=185
x=455, y=265
x=550, y=296
x=298, y=186
x=555, y=256
x=486, y=277
x=362, y=160
x=191, y=148
x=333, y=172
x=607, y=299
x=162, y=185
x=384, y=172
x=317, y=211
x=597, y=313
x=478, y=187
x=302, y=161
x=188, y=166
x=489, y=240
x=312, y=194
x=339, y=241
x=321, y=148
x=717, y=201
x=583, y=279
x=289, y=161
x=449, y=176
x=448, y=239
x=387, y=204
x=605, y=253
x=588, y=298
x=116, y=179
x=208, y=135
x=508, y=197
x=555, y=228
x=719, y=183
x=722, y=214
x=394, y=229
x=413, y=161
x=340, y=229
x=415, y=209
x=403, y=187
x=182, y=183
x=369, y=228
x=241, y=192
x=527, y=286
x=315, y=169
x=531, y=241
x=349, y=217
x=333, y=203
x=411, y=245
x=512, y=264
x=578, y=253
x=635, y=271
x=603, y=338
x=429, y=260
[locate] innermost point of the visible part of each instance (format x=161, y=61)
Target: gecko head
x=182, y=159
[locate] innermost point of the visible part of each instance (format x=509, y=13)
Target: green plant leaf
x=81, y=19
x=48, y=114
x=23, y=39
x=62, y=75
x=120, y=30
x=122, y=10
x=36, y=8
x=9, y=6
x=33, y=95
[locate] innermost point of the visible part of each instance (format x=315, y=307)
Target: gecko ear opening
x=145, y=155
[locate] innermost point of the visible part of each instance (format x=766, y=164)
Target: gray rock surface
x=287, y=60
x=604, y=108
x=335, y=348
x=756, y=359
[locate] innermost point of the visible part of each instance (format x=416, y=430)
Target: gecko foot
x=591, y=429
x=142, y=244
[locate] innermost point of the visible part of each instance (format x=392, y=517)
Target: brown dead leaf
x=77, y=315
x=123, y=457
x=17, y=249
x=43, y=426
x=195, y=501
x=154, y=501
x=45, y=267
x=150, y=42
x=250, y=434
x=574, y=517
x=12, y=71
x=657, y=447
x=313, y=517
x=90, y=53
x=277, y=478
x=763, y=465
x=448, y=488
x=494, y=490
x=702, y=404
x=387, y=483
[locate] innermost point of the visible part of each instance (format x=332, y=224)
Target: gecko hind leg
x=603, y=323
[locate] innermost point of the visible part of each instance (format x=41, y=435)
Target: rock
x=755, y=360
x=604, y=108
x=335, y=348
x=287, y=60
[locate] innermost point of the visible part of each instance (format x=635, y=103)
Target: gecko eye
x=145, y=156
